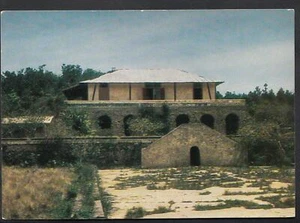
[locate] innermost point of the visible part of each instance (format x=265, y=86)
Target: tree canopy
x=39, y=91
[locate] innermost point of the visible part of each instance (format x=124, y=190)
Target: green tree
x=71, y=75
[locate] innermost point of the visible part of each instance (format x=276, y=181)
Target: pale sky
x=244, y=48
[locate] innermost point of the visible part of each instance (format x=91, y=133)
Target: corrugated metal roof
x=150, y=76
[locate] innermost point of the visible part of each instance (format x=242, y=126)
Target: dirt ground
x=128, y=194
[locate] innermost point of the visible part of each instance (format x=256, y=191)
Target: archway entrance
x=195, y=156
x=181, y=119
x=232, y=124
x=208, y=120
x=126, y=122
x=104, y=122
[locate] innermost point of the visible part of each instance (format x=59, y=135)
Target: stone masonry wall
x=173, y=150
x=118, y=111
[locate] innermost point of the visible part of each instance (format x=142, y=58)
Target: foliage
x=104, y=197
x=280, y=201
x=145, y=127
x=233, y=203
x=30, y=90
x=150, y=121
x=39, y=91
x=21, y=130
x=269, y=135
x=29, y=193
x=77, y=120
x=55, y=152
x=135, y=212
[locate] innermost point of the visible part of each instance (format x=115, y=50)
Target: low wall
x=103, y=152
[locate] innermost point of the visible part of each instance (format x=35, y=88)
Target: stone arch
x=181, y=119
x=208, y=120
x=232, y=124
x=126, y=121
x=195, y=158
x=104, y=122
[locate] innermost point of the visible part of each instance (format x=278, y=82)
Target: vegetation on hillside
x=32, y=91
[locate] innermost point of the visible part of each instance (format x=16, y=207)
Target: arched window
x=232, y=124
x=181, y=119
x=208, y=120
x=104, y=122
x=126, y=122
x=195, y=156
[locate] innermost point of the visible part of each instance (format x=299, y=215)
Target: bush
x=55, y=153
x=78, y=120
x=135, y=212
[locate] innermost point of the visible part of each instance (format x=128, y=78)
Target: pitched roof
x=150, y=76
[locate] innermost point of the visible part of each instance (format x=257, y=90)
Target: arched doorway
x=126, y=122
x=195, y=156
x=208, y=120
x=232, y=124
x=181, y=119
x=104, y=122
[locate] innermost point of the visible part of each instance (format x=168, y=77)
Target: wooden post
x=174, y=91
x=130, y=91
x=95, y=86
x=208, y=90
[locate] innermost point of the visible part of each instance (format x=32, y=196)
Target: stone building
x=116, y=97
x=193, y=144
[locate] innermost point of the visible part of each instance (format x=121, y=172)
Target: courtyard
x=200, y=192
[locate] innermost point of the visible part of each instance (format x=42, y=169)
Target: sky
x=243, y=48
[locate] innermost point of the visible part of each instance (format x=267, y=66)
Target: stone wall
x=118, y=111
x=174, y=149
x=102, y=152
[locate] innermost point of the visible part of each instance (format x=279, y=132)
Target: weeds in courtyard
x=139, y=212
x=280, y=201
x=233, y=203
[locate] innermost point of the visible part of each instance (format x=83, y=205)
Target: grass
x=232, y=203
x=199, y=178
x=29, y=193
x=139, y=212
x=105, y=198
x=205, y=193
x=185, y=178
x=84, y=185
x=242, y=193
x=280, y=201
x=135, y=212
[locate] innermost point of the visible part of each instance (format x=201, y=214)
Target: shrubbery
x=150, y=122
x=77, y=120
x=55, y=152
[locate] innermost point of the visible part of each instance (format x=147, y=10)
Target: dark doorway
x=153, y=91
x=181, y=119
x=194, y=156
x=126, y=122
x=104, y=91
x=198, y=91
x=208, y=120
x=232, y=124
x=104, y=122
